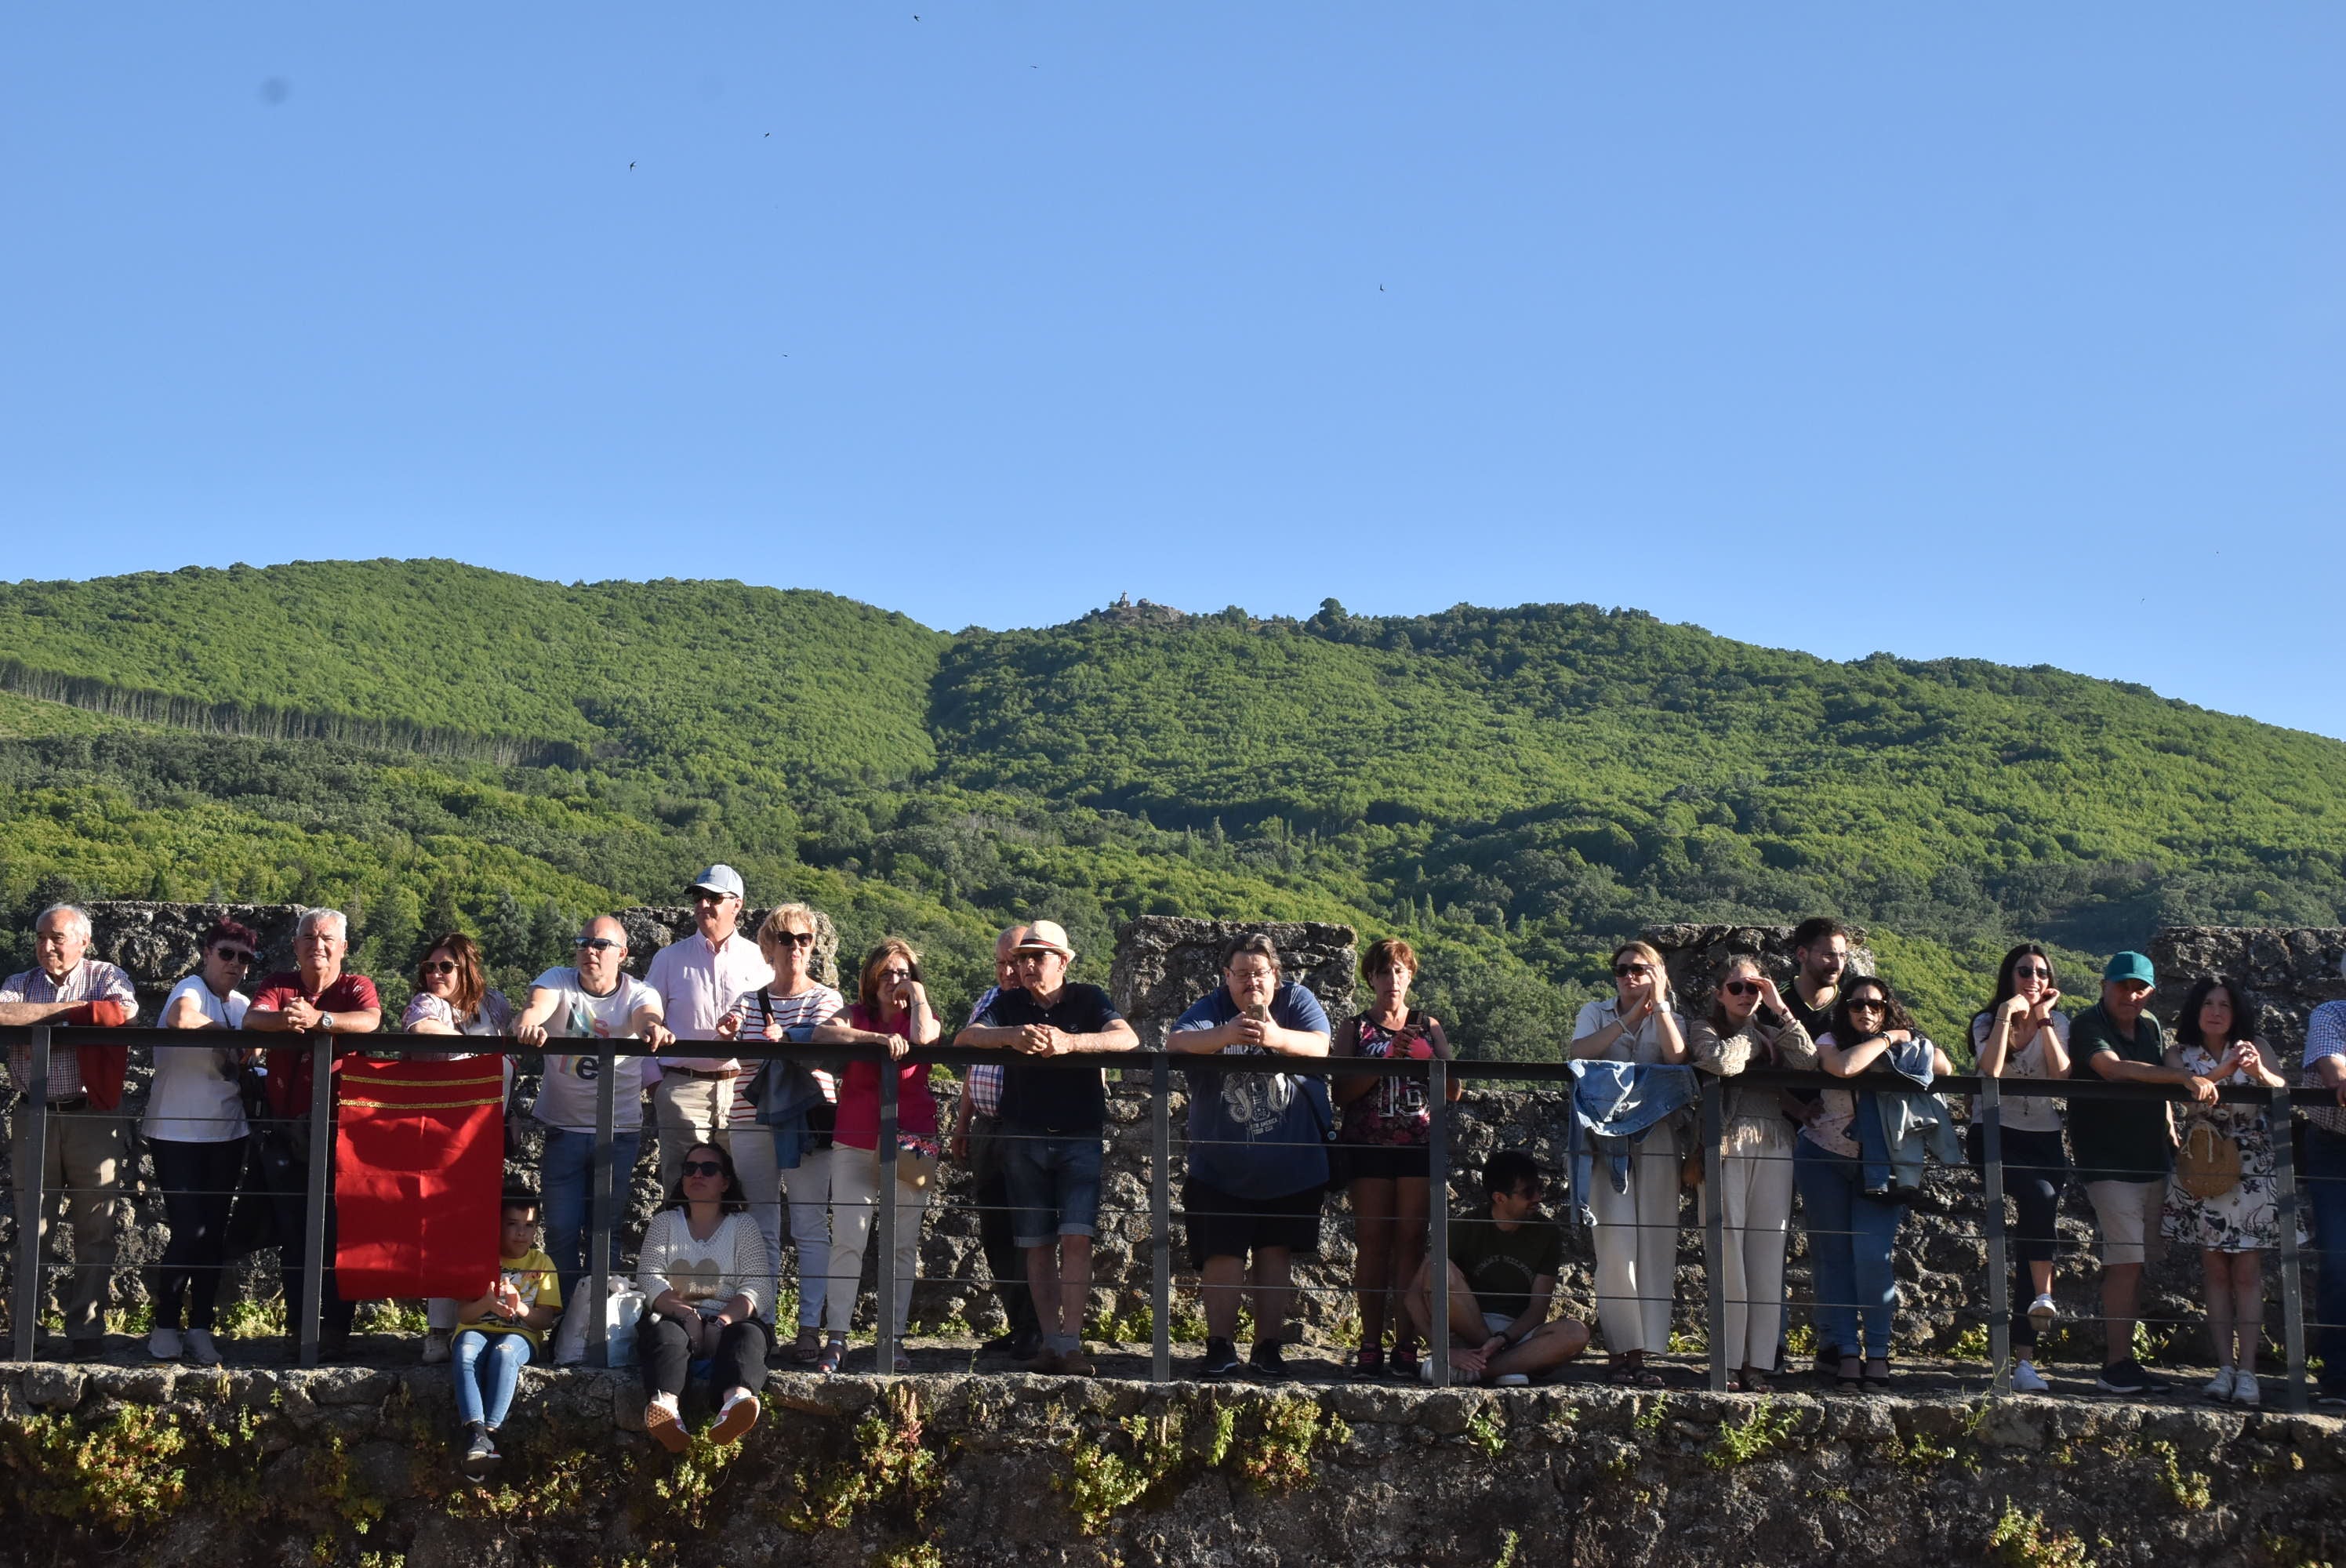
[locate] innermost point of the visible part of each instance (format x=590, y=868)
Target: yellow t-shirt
x=532, y=1278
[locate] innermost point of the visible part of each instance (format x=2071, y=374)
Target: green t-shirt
x=1500, y=1264
x=2117, y=1140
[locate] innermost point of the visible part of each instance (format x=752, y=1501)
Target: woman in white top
x=1749, y=1027
x=2215, y=1038
x=1636, y=1232
x=196, y=1131
x=2019, y=1034
x=703, y=1271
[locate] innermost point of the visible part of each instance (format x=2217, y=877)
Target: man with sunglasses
x=82, y=1158
x=1500, y=1281
x=2125, y=1149
x=699, y=979
x=594, y=999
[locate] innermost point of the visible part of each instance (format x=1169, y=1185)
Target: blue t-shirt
x=1257, y=1135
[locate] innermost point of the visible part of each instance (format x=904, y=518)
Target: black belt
x=694, y=1073
x=71, y=1103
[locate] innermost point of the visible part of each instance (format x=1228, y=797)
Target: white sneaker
x=201, y=1348
x=2220, y=1388
x=165, y=1344
x=2027, y=1380
x=2244, y=1389
x=1512, y=1380
x=435, y=1346
x=2041, y=1312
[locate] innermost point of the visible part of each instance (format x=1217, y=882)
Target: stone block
x=51, y=1387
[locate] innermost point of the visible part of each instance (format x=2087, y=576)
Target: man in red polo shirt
x=314, y=997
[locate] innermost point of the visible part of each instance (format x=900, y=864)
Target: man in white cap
x=1052, y=1121
x=699, y=979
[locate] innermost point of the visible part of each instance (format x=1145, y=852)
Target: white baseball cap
x=720, y=879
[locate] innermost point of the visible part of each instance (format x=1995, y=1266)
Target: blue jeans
x=2325, y=1191
x=565, y=1172
x=1053, y=1180
x=489, y=1366
x=1850, y=1238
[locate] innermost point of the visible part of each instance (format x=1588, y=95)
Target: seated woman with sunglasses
x=195, y=1127
x=1851, y=1235
x=1749, y=1027
x=2021, y=1034
x=702, y=1270
x=1636, y=1231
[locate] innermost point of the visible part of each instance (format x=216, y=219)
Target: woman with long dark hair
x=2020, y=1034
x=702, y=1270
x=1851, y=1234
x=2215, y=1038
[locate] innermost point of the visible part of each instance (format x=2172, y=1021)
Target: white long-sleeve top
x=731, y=1262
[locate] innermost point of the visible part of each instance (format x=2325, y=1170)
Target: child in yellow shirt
x=497, y=1333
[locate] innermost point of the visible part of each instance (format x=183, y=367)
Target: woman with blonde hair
x=1636, y=1232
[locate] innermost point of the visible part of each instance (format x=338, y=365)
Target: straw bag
x=2210, y=1162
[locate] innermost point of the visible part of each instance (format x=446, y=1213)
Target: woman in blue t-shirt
x=1258, y=1150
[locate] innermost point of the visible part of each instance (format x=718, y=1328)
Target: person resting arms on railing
x=453, y=996
x=195, y=1128
x=497, y=1333
x=702, y=1266
x=1501, y=1281
x=2020, y=1034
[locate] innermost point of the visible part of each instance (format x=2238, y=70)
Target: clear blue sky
x=2014, y=331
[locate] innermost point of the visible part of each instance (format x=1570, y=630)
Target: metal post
x=2292, y=1285
x=1714, y=1232
x=1161, y=1223
x=885, y=1341
x=32, y=1169
x=1437, y=1223
x=1999, y=1266
x=600, y=1180
x=313, y=1219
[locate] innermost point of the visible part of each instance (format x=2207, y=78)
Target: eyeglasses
x=1868, y=1004
x=792, y=939
x=703, y=896
x=895, y=974
x=445, y=966
x=232, y=956
x=1741, y=988
x=599, y=943
x=2032, y=971
x=1623, y=971
x=703, y=1168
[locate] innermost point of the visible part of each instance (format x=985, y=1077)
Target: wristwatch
x=326, y=1022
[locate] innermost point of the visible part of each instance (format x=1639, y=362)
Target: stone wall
x=351, y=1466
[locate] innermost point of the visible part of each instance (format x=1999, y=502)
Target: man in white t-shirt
x=699, y=979
x=595, y=999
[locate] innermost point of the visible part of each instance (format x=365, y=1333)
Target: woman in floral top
x=1387, y=1127
x=2214, y=1038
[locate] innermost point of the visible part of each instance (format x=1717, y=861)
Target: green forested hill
x=1515, y=789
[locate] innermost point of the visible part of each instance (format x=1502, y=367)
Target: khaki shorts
x=2127, y=1212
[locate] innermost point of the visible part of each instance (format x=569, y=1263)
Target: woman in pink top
x=892, y=1010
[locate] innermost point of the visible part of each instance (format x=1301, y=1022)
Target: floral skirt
x=2245, y=1219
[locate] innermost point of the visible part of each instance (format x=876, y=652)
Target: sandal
x=834, y=1352
x=1750, y=1383
x=1629, y=1372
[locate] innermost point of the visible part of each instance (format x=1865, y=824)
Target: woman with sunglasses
x=2020, y=1034
x=1636, y=1231
x=703, y=1270
x=1851, y=1235
x=891, y=1009
x=195, y=1130
x=1749, y=1027
x=454, y=996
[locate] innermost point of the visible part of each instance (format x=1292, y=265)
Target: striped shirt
x=984, y=1081
x=2325, y=1036
x=88, y=981
x=815, y=1004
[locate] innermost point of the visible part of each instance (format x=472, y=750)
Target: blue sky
x=2008, y=331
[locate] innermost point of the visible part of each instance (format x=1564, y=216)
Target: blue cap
x=721, y=879
x=2129, y=966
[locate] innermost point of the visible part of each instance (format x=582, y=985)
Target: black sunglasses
x=232, y=955
x=1623, y=971
x=704, y=1168
x=2031, y=972
x=1868, y=1004
x=599, y=943
x=1741, y=988
x=445, y=966
x=792, y=938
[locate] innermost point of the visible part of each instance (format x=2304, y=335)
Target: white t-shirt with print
x=194, y=1099
x=565, y=1094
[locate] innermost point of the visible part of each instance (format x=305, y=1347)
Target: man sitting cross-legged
x=1502, y=1276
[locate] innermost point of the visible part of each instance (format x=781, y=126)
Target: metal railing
x=1156, y=1068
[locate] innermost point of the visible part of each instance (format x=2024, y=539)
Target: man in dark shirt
x=2125, y=1149
x=1819, y=957
x=1052, y=1118
x=1502, y=1273
x=314, y=997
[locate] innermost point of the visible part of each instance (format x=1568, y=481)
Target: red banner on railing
x=419, y=1170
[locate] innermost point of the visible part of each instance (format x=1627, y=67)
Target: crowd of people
x=749, y=1149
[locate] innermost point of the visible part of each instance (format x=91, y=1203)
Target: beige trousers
x=1637, y=1244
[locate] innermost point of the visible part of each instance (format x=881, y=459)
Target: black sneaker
x=1220, y=1360
x=2127, y=1377
x=1269, y=1362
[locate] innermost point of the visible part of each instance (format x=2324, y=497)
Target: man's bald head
x=1004, y=946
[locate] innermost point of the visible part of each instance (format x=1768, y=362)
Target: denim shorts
x=1053, y=1180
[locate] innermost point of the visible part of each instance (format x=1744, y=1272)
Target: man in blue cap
x=2125, y=1149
